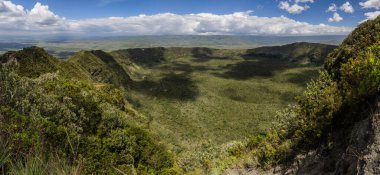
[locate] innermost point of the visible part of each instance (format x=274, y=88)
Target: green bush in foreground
x=81, y=123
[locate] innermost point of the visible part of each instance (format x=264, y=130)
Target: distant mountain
x=120, y=67
x=215, y=41
x=14, y=45
x=65, y=47
x=296, y=52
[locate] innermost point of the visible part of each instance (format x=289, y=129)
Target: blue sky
x=84, y=16
x=82, y=9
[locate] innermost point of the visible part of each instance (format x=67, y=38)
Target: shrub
x=317, y=107
x=77, y=121
x=361, y=76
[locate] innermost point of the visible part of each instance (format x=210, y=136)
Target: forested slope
x=333, y=129
x=53, y=123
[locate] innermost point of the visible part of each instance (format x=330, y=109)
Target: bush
x=361, y=76
x=300, y=126
x=317, y=107
x=80, y=122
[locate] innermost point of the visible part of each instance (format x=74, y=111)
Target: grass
x=38, y=165
x=199, y=106
x=34, y=163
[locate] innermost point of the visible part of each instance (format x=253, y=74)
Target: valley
x=164, y=87
x=201, y=105
x=197, y=102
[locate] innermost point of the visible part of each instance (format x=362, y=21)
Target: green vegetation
x=87, y=125
x=147, y=111
x=41, y=61
x=202, y=104
x=342, y=94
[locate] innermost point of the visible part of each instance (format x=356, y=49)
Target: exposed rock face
x=353, y=150
x=370, y=163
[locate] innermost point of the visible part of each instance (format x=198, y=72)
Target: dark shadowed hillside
x=296, y=52
x=101, y=67
x=144, y=56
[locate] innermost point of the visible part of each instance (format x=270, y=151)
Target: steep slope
x=144, y=56
x=71, y=122
x=73, y=71
x=366, y=35
x=334, y=127
x=102, y=67
x=296, y=52
x=350, y=142
x=370, y=157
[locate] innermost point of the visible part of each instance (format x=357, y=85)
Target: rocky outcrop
x=370, y=163
x=353, y=150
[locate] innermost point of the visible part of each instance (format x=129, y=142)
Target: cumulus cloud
x=9, y=9
x=293, y=9
x=205, y=24
x=347, y=8
x=332, y=8
x=336, y=18
x=304, y=1
x=14, y=19
x=41, y=14
x=371, y=15
x=370, y=4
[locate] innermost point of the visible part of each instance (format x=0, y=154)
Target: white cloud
x=15, y=20
x=332, y=8
x=371, y=15
x=336, y=18
x=9, y=9
x=304, y=1
x=204, y=24
x=370, y=4
x=347, y=8
x=293, y=9
x=41, y=14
